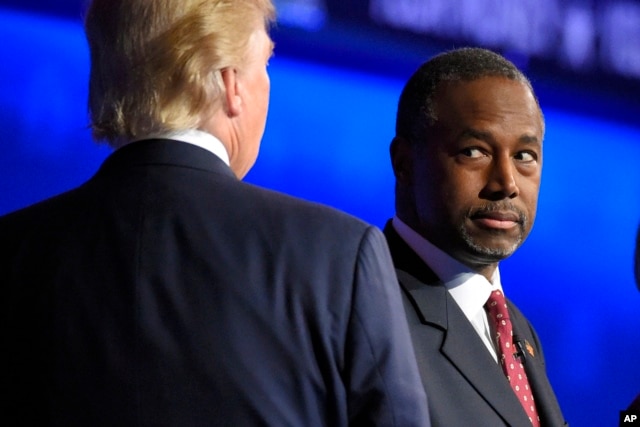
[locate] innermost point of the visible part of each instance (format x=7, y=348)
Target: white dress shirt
x=196, y=137
x=469, y=289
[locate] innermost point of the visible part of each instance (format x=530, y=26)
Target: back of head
x=155, y=64
x=416, y=109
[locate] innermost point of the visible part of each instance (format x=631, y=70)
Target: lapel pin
x=529, y=348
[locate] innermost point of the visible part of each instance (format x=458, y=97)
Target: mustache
x=503, y=207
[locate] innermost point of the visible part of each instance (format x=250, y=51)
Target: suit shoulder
x=37, y=211
x=311, y=213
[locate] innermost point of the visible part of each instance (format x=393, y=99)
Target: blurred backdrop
x=338, y=70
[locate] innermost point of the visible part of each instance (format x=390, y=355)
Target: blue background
x=327, y=140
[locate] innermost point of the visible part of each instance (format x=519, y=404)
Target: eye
x=472, y=152
x=526, y=156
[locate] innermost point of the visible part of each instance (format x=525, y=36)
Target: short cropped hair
x=416, y=107
x=155, y=64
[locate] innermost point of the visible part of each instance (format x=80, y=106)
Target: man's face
x=475, y=184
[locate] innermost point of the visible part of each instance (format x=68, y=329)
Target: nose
x=501, y=179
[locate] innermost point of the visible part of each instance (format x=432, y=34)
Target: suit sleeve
x=382, y=378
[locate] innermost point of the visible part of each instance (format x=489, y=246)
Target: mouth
x=497, y=220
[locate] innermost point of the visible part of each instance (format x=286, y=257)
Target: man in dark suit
x=166, y=292
x=467, y=158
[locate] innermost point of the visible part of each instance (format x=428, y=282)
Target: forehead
x=487, y=99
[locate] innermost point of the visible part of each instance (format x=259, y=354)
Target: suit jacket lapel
x=461, y=345
x=546, y=403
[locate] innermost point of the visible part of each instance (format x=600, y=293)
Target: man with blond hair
x=165, y=291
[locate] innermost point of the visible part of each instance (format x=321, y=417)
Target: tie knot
x=497, y=306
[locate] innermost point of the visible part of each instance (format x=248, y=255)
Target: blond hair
x=155, y=63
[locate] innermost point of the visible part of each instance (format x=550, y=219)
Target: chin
x=493, y=254
x=494, y=246
x=491, y=251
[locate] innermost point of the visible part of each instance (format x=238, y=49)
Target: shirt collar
x=469, y=289
x=195, y=137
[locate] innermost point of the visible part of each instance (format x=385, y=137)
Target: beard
x=490, y=254
x=493, y=253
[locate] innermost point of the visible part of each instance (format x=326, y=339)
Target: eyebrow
x=530, y=139
x=486, y=136
x=476, y=134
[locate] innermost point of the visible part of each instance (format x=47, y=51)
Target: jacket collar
x=164, y=152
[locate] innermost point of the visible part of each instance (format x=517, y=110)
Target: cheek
x=463, y=186
x=531, y=203
x=264, y=90
x=266, y=83
x=443, y=189
x=529, y=190
x=440, y=196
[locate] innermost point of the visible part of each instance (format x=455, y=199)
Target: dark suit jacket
x=635, y=405
x=166, y=292
x=466, y=387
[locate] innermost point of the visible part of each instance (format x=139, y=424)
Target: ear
x=401, y=152
x=233, y=100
